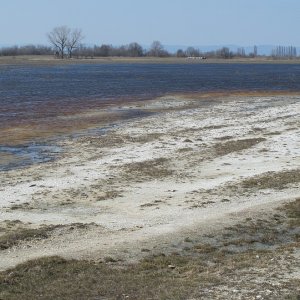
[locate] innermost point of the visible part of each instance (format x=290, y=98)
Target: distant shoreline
x=50, y=60
x=105, y=114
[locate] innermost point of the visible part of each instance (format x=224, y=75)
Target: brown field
x=50, y=60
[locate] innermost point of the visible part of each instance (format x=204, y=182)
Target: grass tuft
x=236, y=145
x=148, y=169
x=273, y=180
x=11, y=239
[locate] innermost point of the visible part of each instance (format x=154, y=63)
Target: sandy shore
x=191, y=167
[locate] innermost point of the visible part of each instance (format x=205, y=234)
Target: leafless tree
x=284, y=52
x=192, y=52
x=59, y=37
x=224, y=53
x=156, y=49
x=255, y=51
x=104, y=50
x=135, y=50
x=241, y=52
x=180, y=53
x=73, y=41
x=25, y=50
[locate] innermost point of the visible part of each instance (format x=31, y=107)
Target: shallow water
x=24, y=155
x=35, y=95
x=31, y=92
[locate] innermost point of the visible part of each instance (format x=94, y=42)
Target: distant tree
x=10, y=51
x=284, y=52
x=25, y=50
x=224, y=53
x=73, y=40
x=180, y=53
x=63, y=38
x=104, y=50
x=135, y=50
x=84, y=51
x=192, y=52
x=255, y=51
x=241, y=52
x=210, y=54
x=119, y=51
x=157, y=49
x=59, y=38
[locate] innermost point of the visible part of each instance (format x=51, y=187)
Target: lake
x=30, y=94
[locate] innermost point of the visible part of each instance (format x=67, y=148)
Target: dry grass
x=50, y=60
x=11, y=239
x=214, y=127
x=148, y=170
x=23, y=206
x=273, y=133
x=237, y=145
x=293, y=211
x=187, y=149
x=224, y=138
x=115, y=140
x=209, y=270
x=16, y=235
x=108, y=195
x=273, y=180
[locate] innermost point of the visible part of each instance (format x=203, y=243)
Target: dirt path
x=192, y=166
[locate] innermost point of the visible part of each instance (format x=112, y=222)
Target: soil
x=190, y=168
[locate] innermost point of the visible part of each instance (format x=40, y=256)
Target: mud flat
x=197, y=179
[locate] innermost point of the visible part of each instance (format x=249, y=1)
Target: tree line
x=67, y=43
x=130, y=50
x=26, y=50
x=284, y=52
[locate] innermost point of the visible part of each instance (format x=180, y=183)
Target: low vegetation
x=273, y=180
x=225, y=265
x=12, y=238
x=236, y=145
x=148, y=169
x=17, y=234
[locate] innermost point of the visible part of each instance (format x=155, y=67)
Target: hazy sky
x=173, y=22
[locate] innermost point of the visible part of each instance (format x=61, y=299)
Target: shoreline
x=104, y=114
x=46, y=135
x=157, y=176
x=49, y=60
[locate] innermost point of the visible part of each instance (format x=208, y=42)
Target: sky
x=172, y=22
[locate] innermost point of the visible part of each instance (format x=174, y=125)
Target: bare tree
x=224, y=53
x=104, y=50
x=156, y=49
x=180, y=53
x=73, y=40
x=284, y=52
x=255, y=50
x=241, y=52
x=135, y=50
x=59, y=37
x=192, y=52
